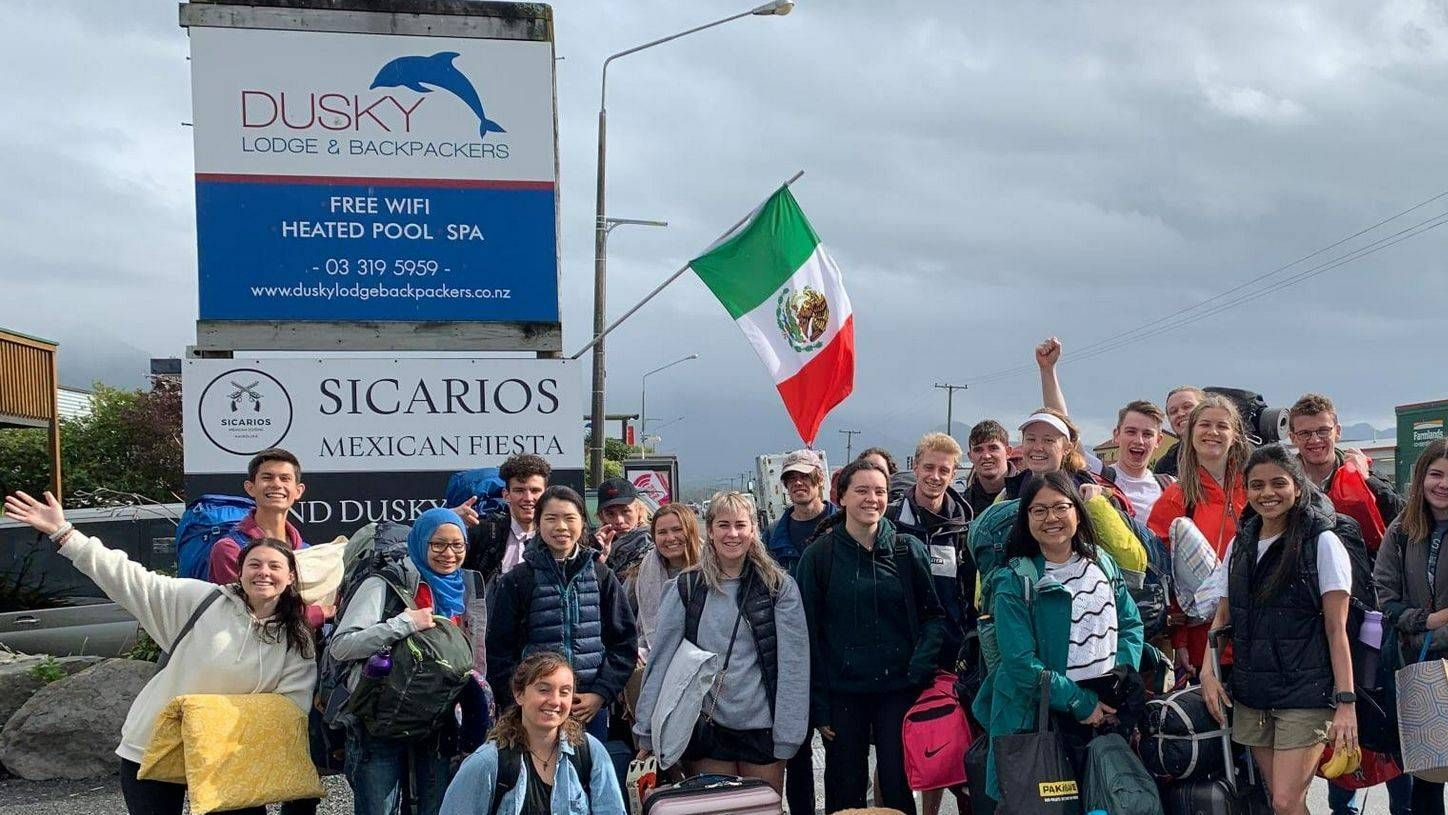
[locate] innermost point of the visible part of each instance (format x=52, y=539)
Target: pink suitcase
x=714, y=795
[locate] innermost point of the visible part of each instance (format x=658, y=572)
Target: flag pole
x=671, y=278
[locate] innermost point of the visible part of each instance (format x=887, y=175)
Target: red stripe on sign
x=453, y=183
x=822, y=383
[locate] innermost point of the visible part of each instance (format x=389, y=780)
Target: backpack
x=987, y=542
x=1115, y=781
x=429, y=670
x=1180, y=740
x=483, y=484
x=936, y=737
x=207, y=519
x=510, y=766
x=371, y=550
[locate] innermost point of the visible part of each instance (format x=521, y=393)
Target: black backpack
x=510, y=765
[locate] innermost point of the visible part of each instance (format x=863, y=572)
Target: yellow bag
x=1115, y=536
x=232, y=751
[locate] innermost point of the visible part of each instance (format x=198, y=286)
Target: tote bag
x=1033, y=769
x=1423, y=716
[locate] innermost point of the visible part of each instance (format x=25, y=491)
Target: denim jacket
x=471, y=790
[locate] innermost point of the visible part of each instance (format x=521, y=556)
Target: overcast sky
x=986, y=174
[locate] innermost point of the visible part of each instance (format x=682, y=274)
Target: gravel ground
x=102, y=796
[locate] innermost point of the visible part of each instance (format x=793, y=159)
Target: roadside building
x=29, y=390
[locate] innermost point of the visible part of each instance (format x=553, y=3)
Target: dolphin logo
x=438, y=71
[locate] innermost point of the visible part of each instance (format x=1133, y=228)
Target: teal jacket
x=859, y=633
x=1034, y=634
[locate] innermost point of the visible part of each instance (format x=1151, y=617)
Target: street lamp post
x=644, y=402
x=601, y=225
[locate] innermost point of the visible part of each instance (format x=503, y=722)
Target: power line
x=849, y=443
x=1156, y=326
x=950, y=405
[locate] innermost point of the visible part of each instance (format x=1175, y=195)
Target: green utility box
x=1419, y=425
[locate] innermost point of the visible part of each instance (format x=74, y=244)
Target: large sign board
x=377, y=438
x=371, y=177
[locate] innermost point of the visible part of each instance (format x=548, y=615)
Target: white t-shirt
x=1334, y=567
x=1092, y=652
x=1142, y=492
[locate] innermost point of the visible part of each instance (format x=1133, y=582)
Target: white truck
x=769, y=491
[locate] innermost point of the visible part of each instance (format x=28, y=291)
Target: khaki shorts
x=1284, y=729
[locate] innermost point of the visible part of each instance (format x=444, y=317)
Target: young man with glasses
x=1345, y=477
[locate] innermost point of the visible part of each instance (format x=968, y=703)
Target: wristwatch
x=1344, y=697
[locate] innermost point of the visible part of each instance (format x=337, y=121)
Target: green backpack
x=429, y=671
x=1115, y=780
x=987, y=542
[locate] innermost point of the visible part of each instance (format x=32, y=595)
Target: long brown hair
x=689, y=521
x=289, y=622
x=1417, y=517
x=509, y=732
x=1237, y=453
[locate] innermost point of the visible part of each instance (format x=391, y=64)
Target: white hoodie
x=223, y=654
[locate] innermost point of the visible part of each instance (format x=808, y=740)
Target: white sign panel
x=373, y=106
x=369, y=415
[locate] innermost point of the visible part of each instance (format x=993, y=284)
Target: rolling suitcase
x=714, y=795
x=1223, y=794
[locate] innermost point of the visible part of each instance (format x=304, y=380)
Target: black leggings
x=144, y=797
x=1427, y=798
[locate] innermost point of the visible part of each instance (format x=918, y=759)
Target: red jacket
x=1216, y=524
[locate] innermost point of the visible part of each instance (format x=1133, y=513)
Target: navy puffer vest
x=564, y=614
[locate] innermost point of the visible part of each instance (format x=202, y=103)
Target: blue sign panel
x=285, y=250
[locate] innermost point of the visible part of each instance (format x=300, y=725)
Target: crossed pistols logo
x=803, y=317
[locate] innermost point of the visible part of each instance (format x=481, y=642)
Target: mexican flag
x=776, y=280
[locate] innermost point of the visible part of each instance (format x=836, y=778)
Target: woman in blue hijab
x=426, y=589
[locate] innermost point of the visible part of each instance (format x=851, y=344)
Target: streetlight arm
x=603, y=84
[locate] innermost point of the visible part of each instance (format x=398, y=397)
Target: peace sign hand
x=45, y=517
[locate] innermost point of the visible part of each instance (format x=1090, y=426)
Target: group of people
x=831, y=620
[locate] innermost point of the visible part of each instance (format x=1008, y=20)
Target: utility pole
x=850, y=444
x=950, y=405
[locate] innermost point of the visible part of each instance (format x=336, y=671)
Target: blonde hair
x=769, y=572
x=689, y=521
x=509, y=731
x=1074, y=461
x=1237, y=452
x=938, y=443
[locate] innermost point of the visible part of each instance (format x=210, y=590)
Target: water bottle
x=378, y=665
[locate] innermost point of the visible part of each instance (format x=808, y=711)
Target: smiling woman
x=876, y=628
x=247, y=637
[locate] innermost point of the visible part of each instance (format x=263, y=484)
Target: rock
x=70, y=728
x=18, y=684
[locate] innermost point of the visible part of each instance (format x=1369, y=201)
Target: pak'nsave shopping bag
x=1033, y=770
x=232, y=751
x=1423, y=716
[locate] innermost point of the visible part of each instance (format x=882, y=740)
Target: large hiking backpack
x=936, y=737
x=207, y=519
x=372, y=549
x=987, y=542
x=1115, y=780
x=482, y=483
x=429, y=670
x=1179, y=738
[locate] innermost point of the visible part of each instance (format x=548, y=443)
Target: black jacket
x=486, y=544
x=1280, y=647
x=508, y=613
x=944, y=539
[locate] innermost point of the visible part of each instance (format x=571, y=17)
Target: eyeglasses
x=1039, y=512
x=438, y=547
x=1321, y=433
